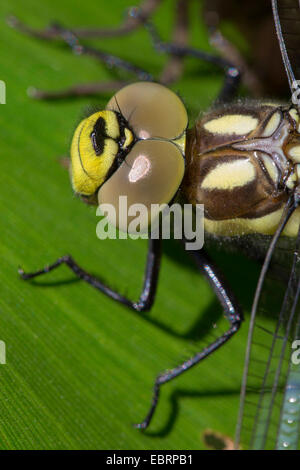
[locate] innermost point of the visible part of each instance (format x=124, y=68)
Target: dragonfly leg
x=174, y=67
x=97, y=87
x=232, y=312
x=136, y=16
x=110, y=60
x=130, y=23
x=146, y=299
x=232, y=73
x=82, y=89
x=229, y=51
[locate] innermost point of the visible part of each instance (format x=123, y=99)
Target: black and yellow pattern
x=97, y=142
x=242, y=162
x=134, y=148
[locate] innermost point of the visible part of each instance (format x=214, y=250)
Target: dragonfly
x=242, y=161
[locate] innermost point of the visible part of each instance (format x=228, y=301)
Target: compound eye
x=151, y=174
x=151, y=109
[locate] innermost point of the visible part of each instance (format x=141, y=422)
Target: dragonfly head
x=134, y=148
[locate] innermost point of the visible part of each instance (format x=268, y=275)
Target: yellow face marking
x=294, y=153
x=270, y=167
x=88, y=170
x=128, y=138
x=230, y=175
x=239, y=124
x=272, y=125
x=265, y=225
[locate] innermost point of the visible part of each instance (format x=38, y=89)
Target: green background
x=80, y=368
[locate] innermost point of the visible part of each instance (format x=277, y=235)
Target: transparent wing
x=287, y=22
x=270, y=410
x=289, y=429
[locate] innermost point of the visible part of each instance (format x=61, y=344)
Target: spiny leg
x=172, y=71
x=174, y=67
x=108, y=59
x=130, y=23
x=232, y=312
x=54, y=31
x=146, y=299
x=82, y=89
x=232, y=73
x=91, y=88
x=229, y=51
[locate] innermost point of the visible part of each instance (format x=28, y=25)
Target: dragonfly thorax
x=242, y=163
